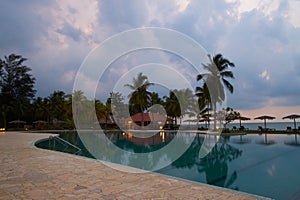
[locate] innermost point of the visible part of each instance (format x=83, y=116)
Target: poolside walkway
x=30, y=173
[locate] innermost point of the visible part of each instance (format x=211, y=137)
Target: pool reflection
x=214, y=165
x=212, y=169
x=238, y=162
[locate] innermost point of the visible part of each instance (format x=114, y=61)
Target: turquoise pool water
x=258, y=164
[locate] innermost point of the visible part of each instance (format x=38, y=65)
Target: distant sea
x=254, y=126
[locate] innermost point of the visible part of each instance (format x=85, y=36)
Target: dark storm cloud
x=264, y=47
x=21, y=24
x=263, y=50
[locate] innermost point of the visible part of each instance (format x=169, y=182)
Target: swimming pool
x=266, y=165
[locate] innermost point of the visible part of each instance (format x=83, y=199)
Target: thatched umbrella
x=18, y=122
x=293, y=117
x=40, y=122
x=206, y=121
x=265, y=117
x=191, y=120
x=242, y=119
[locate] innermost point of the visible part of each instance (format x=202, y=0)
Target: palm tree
x=156, y=100
x=57, y=105
x=215, y=80
x=40, y=109
x=140, y=98
x=179, y=103
x=103, y=111
x=203, y=96
x=203, y=102
x=75, y=104
x=186, y=100
x=116, y=102
x=172, y=106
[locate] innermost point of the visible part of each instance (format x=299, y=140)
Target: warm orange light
x=162, y=135
x=129, y=135
x=2, y=131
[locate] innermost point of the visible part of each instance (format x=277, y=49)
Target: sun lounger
x=242, y=128
x=260, y=128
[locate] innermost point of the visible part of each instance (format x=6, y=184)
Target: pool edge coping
x=129, y=168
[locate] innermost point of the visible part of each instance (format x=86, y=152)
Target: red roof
x=149, y=117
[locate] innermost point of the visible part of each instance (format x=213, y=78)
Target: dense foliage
x=16, y=88
x=17, y=100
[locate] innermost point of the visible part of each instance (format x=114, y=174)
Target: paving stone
x=27, y=172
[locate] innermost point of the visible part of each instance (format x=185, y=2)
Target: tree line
x=18, y=101
x=201, y=104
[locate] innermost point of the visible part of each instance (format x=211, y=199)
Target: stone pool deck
x=27, y=172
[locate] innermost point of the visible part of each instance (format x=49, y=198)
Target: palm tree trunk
x=4, y=119
x=142, y=116
x=208, y=121
x=215, y=116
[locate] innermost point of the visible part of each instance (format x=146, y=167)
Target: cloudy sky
x=262, y=38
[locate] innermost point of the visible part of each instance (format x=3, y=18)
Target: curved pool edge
x=132, y=170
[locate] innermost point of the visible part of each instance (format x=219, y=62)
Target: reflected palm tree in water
x=155, y=156
x=132, y=146
x=190, y=157
x=214, y=164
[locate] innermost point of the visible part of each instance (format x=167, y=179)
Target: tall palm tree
x=116, y=102
x=57, y=105
x=103, y=111
x=215, y=80
x=75, y=104
x=203, y=96
x=204, y=102
x=155, y=99
x=179, y=103
x=186, y=101
x=140, y=98
x=39, y=109
x=172, y=106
